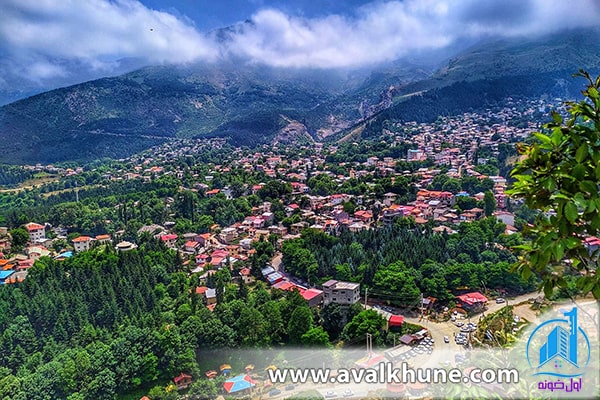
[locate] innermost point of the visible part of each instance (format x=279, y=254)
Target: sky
x=50, y=43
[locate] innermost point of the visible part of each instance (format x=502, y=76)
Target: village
x=450, y=146
x=440, y=157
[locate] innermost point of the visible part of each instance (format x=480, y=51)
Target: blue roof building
x=4, y=275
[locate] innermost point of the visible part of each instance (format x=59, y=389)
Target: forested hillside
x=104, y=323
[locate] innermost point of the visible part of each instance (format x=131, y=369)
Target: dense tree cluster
x=13, y=175
x=104, y=323
x=399, y=262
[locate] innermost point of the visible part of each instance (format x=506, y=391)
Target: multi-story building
x=344, y=293
x=36, y=231
x=82, y=243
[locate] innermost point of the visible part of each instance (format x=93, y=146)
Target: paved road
x=445, y=352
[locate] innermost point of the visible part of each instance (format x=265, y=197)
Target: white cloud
x=45, y=39
x=387, y=31
x=96, y=33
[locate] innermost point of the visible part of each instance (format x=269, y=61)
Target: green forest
x=106, y=323
x=398, y=262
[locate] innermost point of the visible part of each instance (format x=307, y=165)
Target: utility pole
x=369, y=344
x=76, y=192
x=421, y=305
x=366, y=291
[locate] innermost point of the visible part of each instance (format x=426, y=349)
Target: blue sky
x=50, y=43
x=213, y=14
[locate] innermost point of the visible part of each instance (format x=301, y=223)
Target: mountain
x=115, y=117
x=489, y=72
x=252, y=104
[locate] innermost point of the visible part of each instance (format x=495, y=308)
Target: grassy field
x=39, y=179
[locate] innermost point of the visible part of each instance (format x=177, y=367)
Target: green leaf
x=578, y=171
x=596, y=292
x=548, y=289
x=588, y=186
x=572, y=242
x=542, y=138
x=556, y=117
x=558, y=251
x=582, y=152
x=571, y=212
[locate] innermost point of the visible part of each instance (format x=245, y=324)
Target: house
x=314, y=297
x=274, y=278
x=101, y=239
x=36, y=231
x=364, y=216
x=392, y=212
x=35, y=252
x=82, y=243
x=191, y=246
x=389, y=198
x=506, y=217
x=278, y=230
x=211, y=296
x=233, y=250
x=395, y=322
x=344, y=293
x=125, y=246
x=201, y=291
x=212, y=193
x=298, y=227
x=261, y=233
x=204, y=239
x=473, y=301
x=5, y=244
x=228, y=235
x=170, y=240
x=183, y=381
x=246, y=275
x=5, y=275
x=357, y=227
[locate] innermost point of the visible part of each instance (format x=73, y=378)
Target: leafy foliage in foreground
x=559, y=176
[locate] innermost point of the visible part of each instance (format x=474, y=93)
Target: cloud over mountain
x=46, y=40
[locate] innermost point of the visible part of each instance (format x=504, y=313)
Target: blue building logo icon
x=562, y=347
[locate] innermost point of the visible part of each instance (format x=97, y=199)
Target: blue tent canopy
x=238, y=383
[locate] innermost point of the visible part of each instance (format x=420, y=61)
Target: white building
x=82, y=243
x=36, y=231
x=344, y=293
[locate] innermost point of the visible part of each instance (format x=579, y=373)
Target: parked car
x=290, y=387
x=446, y=339
x=330, y=394
x=500, y=300
x=348, y=393
x=274, y=392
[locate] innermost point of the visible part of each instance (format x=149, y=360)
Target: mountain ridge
x=252, y=104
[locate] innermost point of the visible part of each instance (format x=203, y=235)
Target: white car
x=330, y=394
x=446, y=339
